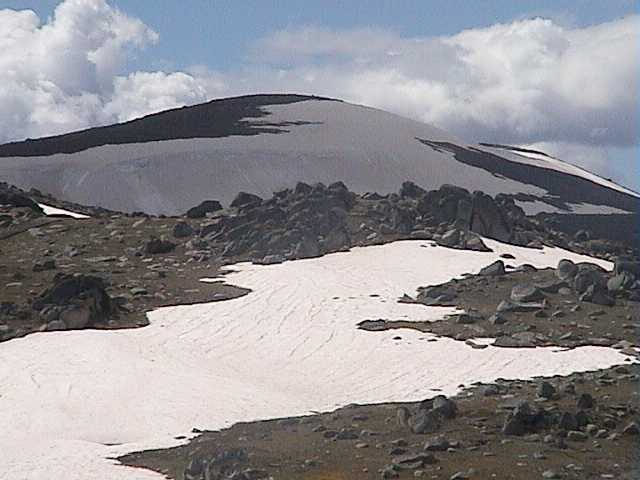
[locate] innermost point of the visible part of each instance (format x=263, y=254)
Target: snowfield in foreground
x=71, y=401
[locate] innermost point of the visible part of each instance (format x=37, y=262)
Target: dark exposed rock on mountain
x=217, y=118
x=565, y=189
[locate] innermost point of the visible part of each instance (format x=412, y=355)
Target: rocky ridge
x=141, y=260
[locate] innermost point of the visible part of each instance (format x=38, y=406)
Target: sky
x=561, y=76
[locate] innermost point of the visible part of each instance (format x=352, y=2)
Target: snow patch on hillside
x=72, y=400
x=49, y=210
x=547, y=161
x=319, y=141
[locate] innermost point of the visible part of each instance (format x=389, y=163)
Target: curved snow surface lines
x=49, y=210
x=547, y=161
x=72, y=401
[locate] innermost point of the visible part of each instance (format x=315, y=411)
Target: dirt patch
x=111, y=248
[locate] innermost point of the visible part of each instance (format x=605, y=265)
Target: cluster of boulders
x=306, y=221
x=586, y=420
x=16, y=206
x=75, y=302
x=429, y=415
x=590, y=282
x=223, y=465
x=311, y=220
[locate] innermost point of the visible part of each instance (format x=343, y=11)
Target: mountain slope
x=170, y=161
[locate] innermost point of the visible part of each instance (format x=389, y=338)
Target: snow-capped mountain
x=170, y=161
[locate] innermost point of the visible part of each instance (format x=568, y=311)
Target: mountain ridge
x=169, y=161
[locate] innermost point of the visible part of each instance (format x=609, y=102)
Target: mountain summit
x=169, y=161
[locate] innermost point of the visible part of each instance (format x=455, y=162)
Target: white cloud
x=522, y=82
x=531, y=81
x=64, y=74
x=144, y=92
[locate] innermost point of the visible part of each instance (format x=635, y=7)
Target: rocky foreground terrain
x=107, y=271
x=581, y=426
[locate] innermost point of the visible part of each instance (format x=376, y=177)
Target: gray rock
x=437, y=444
x=526, y=293
x=567, y=421
x=523, y=420
x=76, y=317
x=346, y=434
x=411, y=461
x=244, y=199
x=487, y=219
x=201, y=210
x=464, y=212
x=389, y=472
x=450, y=238
x=597, y=294
x=475, y=243
x=552, y=286
x=496, y=268
x=70, y=251
x=624, y=265
x=621, y=281
x=566, y=269
x=467, y=318
x=576, y=436
x=585, y=401
x=307, y=248
x=48, y=264
x=159, y=246
x=444, y=406
x=497, y=319
x=195, y=469
x=507, y=306
x=587, y=277
x=182, y=230
x=338, y=239
x=272, y=259
x=546, y=390
x=56, y=325
x=437, y=295
x=550, y=474
x=631, y=429
x=425, y=421
x=411, y=190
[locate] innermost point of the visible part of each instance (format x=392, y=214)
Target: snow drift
x=71, y=401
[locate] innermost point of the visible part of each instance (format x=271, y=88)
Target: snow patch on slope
x=49, y=210
x=320, y=141
x=533, y=207
x=72, y=400
x=547, y=161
